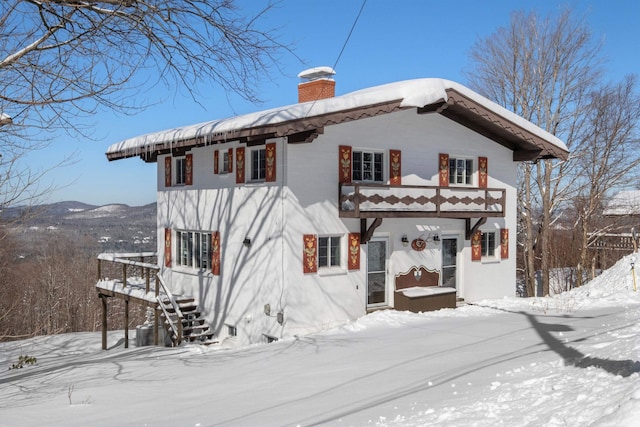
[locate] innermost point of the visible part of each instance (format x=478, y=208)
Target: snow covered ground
x=570, y=360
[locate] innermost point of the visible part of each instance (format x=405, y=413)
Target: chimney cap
x=317, y=73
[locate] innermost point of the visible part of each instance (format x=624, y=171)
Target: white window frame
x=193, y=249
x=232, y=330
x=331, y=259
x=181, y=170
x=224, y=167
x=466, y=176
x=359, y=175
x=259, y=164
x=488, y=245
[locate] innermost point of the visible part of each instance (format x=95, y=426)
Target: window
x=460, y=171
x=269, y=339
x=232, y=331
x=225, y=162
x=367, y=166
x=193, y=249
x=258, y=164
x=329, y=252
x=488, y=244
x=181, y=171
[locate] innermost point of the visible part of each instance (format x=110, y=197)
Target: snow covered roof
x=624, y=203
x=304, y=121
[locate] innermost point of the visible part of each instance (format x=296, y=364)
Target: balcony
x=417, y=201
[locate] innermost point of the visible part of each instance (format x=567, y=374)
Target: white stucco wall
x=303, y=200
x=420, y=138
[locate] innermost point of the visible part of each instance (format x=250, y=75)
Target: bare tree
x=61, y=60
x=542, y=69
x=607, y=157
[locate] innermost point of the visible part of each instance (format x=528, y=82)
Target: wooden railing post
x=124, y=275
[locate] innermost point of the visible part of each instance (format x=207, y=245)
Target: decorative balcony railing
x=416, y=201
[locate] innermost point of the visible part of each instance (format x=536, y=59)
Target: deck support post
x=156, y=320
x=126, y=323
x=103, y=299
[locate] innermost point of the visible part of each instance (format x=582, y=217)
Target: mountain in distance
x=112, y=227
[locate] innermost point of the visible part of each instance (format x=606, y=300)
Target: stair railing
x=176, y=329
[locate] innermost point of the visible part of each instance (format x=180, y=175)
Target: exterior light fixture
x=246, y=242
x=405, y=240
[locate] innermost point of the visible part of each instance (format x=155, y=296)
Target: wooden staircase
x=183, y=321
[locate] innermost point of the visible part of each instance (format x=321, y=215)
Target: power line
x=344, y=46
x=350, y=32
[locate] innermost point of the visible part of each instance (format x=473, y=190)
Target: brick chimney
x=317, y=83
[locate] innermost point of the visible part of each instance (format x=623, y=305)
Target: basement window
x=269, y=339
x=232, y=331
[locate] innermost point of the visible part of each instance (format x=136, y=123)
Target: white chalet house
x=294, y=219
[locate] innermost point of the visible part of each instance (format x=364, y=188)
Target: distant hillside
x=114, y=227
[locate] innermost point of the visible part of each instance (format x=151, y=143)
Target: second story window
x=258, y=164
x=367, y=166
x=181, y=171
x=460, y=171
x=225, y=162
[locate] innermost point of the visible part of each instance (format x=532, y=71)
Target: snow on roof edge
x=413, y=93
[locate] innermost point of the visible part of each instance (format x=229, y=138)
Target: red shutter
x=309, y=253
x=344, y=164
x=216, y=160
x=230, y=159
x=167, y=247
x=476, y=246
x=395, y=167
x=167, y=171
x=482, y=172
x=443, y=170
x=215, y=253
x=354, y=251
x=188, y=165
x=270, y=160
x=504, y=243
x=240, y=165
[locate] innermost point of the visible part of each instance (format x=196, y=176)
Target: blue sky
x=392, y=41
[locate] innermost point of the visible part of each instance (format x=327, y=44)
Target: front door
x=449, y=261
x=377, y=272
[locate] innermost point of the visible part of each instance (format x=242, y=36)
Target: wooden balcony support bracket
x=367, y=233
x=470, y=230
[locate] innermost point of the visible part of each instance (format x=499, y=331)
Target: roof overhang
x=299, y=125
x=526, y=145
